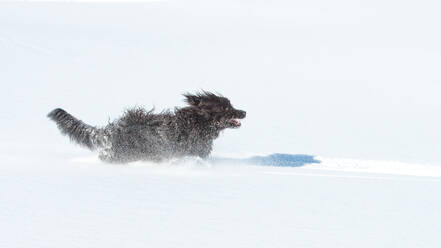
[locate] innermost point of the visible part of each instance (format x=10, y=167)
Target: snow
x=340, y=148
x=72, y=203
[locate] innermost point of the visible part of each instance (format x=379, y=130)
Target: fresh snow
x=340, y=148
x=78, y=201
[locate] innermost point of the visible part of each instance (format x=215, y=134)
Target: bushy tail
x=77, y=130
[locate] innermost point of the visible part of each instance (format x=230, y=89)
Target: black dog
x=143, y=135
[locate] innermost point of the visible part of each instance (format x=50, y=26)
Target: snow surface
x=340, y=148
x=80, y=202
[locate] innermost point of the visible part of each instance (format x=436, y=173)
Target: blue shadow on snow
x=276, y=159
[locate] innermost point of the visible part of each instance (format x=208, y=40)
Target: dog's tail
x=75, y=129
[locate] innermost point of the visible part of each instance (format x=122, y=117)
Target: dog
x=144, y=135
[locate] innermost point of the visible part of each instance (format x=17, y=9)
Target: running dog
x=144, y=135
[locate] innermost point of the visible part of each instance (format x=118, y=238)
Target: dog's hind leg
x=106, y=153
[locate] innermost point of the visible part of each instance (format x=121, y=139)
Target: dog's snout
x=241, y=114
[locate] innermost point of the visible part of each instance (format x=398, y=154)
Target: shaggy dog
x=144, y=135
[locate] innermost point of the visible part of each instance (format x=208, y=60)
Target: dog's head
x=216, y=109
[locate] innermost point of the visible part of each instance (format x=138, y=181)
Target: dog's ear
x=192, y=99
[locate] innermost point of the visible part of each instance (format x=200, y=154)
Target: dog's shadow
x=276, y=159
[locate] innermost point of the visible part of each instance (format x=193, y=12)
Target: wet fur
x=144, y=135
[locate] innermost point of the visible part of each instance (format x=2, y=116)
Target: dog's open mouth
x=234, y=123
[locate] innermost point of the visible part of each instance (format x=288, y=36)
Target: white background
x=356, y=79
x=355, y=82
